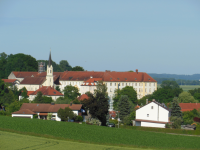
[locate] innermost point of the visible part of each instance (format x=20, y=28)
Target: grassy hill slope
x=97, y=134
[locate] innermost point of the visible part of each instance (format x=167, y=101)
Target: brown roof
x=85, y=75
x=82, y=97
x=24, y=111
x=20, y=74
x=107, y=76
x=46, y=108
x=189, y=106
x=152, y=121
x=9, y=80
x=47, y=90
x=33, y=80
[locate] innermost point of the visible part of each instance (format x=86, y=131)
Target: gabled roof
x=46, y=108
x=82, y=97
x=24, y=111
x=47, y=90
x=9, y=80
x=33, y=80
x=189, y=106
x=155, y=103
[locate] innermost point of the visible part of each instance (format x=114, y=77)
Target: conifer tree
x=176, y=109
x=123, y=107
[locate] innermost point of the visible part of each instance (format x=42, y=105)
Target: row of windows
x=139, y=90
x=131, y=84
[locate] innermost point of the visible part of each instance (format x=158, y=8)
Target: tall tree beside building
x=71, y=92
x=3, y=62
x=97, y=104
x=123, y=107
x=129, y=91
x=64, y=65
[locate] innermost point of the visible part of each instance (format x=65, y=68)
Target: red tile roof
x=91, y=81
x=107, y=76
x=112, y=114
x=9, y=80
x=82, y=97
x=24, y=111
x=47, y=90
x=85, y=75
x=29, y=92
x=33, y=80
x=189, y=106
x=47, y=108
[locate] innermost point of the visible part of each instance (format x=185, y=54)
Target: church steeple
x=50, y=61
x=49, y=76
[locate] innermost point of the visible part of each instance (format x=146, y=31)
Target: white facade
x=23, y=115
x=152, y=115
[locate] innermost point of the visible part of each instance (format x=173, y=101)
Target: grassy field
x=19, y=142
x=98, y=135
x=186, y=87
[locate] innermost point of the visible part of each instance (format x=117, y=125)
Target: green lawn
x=13, y=141
x=186, y=87
x=97, y=134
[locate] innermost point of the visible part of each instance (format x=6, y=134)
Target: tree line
x=179, y=81
x=22, y=62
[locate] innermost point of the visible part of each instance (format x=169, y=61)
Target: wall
x=22, y=115
x=149, y=124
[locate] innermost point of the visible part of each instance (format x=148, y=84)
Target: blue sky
x=152, y=36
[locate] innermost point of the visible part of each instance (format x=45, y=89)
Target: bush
x=177, y=121
x=5, y=113
x=79, y=118
x=167, y=125
x=113, y=121
x=35, y=116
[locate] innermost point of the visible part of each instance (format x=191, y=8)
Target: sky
x=152, y=36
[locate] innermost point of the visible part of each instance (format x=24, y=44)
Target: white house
x=27, y=110
x=152, y=114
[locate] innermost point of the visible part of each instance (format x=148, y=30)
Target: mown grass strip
x=96, y=134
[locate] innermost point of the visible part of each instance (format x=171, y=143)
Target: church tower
x=49, y=76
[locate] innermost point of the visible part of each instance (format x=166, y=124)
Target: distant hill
x=175, y=76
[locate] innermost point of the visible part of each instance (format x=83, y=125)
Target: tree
x=71, y=92
x=58, y=88
x=129, y=91
x=24, y=92
x=63, y=114
x=64, y=65
x=20, y=62
x=186, y=97
x=77, y=68
x=123, y=107
x=3, y=62
x=42, y=99
x=97, y=104
x=63, y=100
x=169, y=84
x=175, y=108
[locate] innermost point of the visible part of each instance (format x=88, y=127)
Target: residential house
x=152, y=114
x=189, y=106
x=27, y=110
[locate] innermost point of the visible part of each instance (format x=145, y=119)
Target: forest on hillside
x=23, y=62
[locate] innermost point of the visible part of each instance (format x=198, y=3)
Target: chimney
x=146, y=101
x=136, y=71
x=153, y=100
x=71, y=104
x=52, y=103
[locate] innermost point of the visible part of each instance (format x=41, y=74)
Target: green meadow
x=19, y=142
x=99, y=135
x=186, y=87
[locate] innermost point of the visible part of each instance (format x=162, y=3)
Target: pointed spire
x=50, y=58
